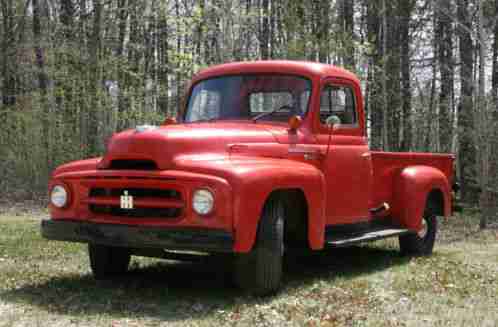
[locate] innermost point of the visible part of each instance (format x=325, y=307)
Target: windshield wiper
x=206, y=120
x=271, y=112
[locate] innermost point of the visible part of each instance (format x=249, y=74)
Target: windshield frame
x=193, y=85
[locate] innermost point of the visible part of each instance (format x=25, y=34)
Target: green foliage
x=30, y=150
x=131, y=66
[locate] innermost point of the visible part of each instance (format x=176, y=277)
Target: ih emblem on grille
x=126, y=201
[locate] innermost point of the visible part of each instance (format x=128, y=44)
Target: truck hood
x=163, y=144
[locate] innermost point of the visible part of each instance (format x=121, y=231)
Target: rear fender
x=254, y=186
x=411, y=192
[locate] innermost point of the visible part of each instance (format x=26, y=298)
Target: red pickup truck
x=266, y=156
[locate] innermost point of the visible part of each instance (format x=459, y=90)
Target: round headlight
x=203, y=202
x=58, y=196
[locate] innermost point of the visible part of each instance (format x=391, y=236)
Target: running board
x=346, y=240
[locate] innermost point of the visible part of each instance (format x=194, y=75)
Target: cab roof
x=311, y=70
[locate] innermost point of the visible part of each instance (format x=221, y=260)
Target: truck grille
x=147, y=202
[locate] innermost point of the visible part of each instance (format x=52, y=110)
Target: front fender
x=254, y=186
x=253, y=180
x=75, y=166
x=411, y=190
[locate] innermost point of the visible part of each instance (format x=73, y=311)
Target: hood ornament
x=144, y=128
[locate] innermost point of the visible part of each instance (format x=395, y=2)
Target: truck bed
x=388, y=165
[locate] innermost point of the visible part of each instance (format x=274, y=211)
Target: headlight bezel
x=67, y=191
x=206, y=191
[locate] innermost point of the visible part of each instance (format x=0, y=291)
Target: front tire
x=260, y=270
x=421, y=243
x=108, y=261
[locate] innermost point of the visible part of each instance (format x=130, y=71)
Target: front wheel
x=107, y=261
x=260, y=270
x=422, y=242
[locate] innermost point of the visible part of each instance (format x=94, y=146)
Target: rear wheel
x=108, y=261
x=422, y=242
x=260, y=270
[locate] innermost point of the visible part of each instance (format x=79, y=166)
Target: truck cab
x=265, y=156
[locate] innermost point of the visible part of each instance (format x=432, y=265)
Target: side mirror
x=294, y=123
x=169, y=121
x=332, y=122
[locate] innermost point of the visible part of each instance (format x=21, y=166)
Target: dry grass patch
x=49, y=283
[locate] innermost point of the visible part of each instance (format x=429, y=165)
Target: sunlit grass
x=44, y=282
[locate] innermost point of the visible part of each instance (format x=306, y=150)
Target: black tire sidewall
x=427, y=242
x=260, y=270
x=107, y=261
x=413, y=244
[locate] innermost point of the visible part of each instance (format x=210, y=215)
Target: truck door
x=347, y=166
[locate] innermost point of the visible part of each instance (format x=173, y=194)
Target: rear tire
x=260, y=270
x=421, y=245
x=108, y=261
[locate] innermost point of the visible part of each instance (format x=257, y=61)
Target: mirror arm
x=331, y=129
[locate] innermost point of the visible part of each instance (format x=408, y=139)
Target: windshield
x=244, y=97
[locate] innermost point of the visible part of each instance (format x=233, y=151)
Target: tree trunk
x=444, y=33
x=163, y=63
x=346, y=15
x=8, y=55
x=247, y=30
x=467, y=151
x=273, y=32
x=493, y=156
x=83, y=13
x=66, y=17
x=201, y=25
x=405, y=17
x=429, y=136
x=179, y=52
x=94, y=139
x=149, y=73
x=136, y=37
x=123, y=12
x=391, y=82
x=322, y=13
x=39, y=57
x=42, y=85
x=482, y=136
x=264, y=33
x=376, y=75
x=494, y=80
x=122, y=24
x=208, y=52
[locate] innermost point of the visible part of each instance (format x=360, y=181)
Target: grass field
x=49, y=284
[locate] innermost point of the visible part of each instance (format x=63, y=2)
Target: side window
x=338, y=101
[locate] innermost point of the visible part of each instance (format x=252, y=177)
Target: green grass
x=49, y=283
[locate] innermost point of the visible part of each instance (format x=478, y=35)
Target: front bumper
x=206, y=240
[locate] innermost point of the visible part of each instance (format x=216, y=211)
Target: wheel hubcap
x=423, y=230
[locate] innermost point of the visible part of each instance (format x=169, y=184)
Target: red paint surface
x=243, y=162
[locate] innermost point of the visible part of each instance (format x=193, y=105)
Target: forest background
x=72, y=72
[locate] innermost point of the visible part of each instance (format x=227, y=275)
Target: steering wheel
x=268, y=113
x=285, y=106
